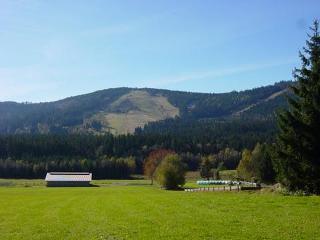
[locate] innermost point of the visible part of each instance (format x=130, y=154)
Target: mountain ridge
x=122, y=110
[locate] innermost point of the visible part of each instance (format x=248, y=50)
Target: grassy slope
x=140, y=211
x=136, y=109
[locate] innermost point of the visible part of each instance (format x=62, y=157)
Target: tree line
x=101, y=168
x=66, y=151
x=31, y=156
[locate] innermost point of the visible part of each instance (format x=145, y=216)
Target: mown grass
x=135, y=210
x=97, y=183
x=22, y=183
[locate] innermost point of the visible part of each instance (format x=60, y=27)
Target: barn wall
x=67, y=184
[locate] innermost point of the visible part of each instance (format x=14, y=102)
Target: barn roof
x=68, y=177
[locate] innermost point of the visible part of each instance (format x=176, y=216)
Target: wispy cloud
x=212, y=74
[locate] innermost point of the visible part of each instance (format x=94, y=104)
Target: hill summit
x=122, y=110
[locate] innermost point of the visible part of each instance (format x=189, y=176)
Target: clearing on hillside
x=136, y=109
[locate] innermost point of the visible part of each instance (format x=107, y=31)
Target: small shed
x=68, y=179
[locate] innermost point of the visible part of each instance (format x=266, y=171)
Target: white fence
x=225, y=182
x=213, y=189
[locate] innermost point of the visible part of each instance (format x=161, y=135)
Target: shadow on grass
x=93, y=185
x=72, y=185
x=173, y=189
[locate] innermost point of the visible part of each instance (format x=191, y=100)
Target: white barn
x=68, y=179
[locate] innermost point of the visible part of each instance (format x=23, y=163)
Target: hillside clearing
x=136, y=109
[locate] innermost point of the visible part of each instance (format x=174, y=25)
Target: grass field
x=132, y=209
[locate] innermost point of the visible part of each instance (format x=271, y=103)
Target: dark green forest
x=32, y=155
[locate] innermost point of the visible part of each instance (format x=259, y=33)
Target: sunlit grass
x=133, y=209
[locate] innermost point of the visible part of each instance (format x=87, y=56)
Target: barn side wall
x=67, y=184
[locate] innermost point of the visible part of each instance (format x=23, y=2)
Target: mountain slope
x=132, y=110
x=259, y=103
x=121, y=110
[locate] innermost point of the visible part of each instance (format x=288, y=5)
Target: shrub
x=171, y=172
x=245, y=168
x=153, y=161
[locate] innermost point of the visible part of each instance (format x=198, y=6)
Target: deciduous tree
x=153, y=161
x=171, y=172
x=245, y=167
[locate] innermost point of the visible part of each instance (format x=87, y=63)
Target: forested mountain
x=122, y=110
x=78, y=130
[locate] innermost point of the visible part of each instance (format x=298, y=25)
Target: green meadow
x=132, y=209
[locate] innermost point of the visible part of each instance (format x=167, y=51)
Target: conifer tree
x=297, y=157
x=206, y=167
x=262, y=163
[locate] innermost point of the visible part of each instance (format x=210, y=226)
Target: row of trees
x=101, y=168
x=33, y=150
x=32, y=156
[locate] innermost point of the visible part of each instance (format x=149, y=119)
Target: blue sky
x=55, y=49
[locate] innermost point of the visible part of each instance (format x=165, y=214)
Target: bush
x=153, y=161
x=245, y=167
x=171, y=172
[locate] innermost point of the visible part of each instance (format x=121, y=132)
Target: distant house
x=68, y=179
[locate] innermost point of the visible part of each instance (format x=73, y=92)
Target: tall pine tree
x=297, y=158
